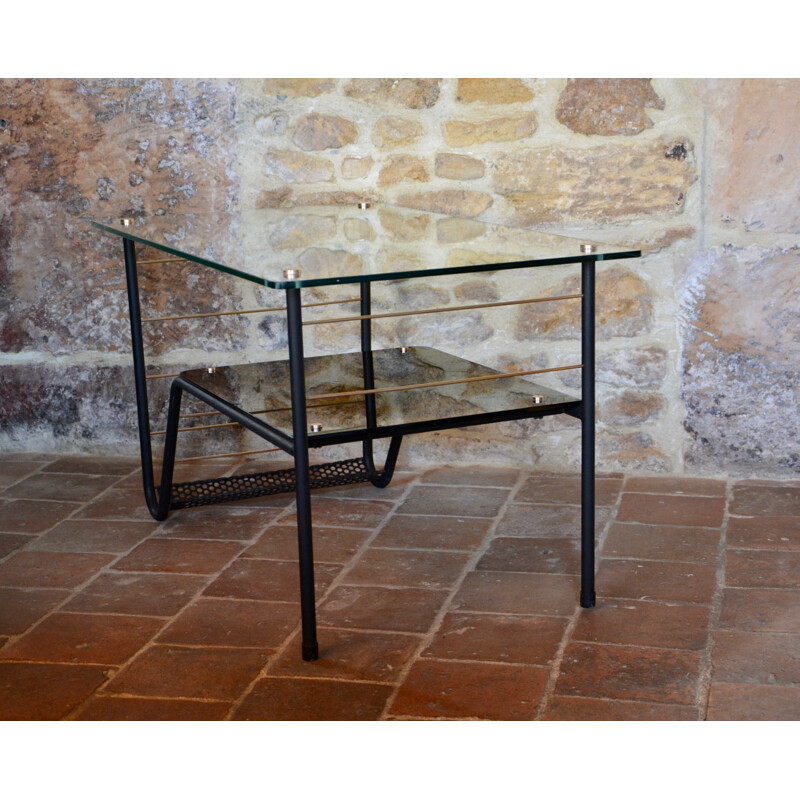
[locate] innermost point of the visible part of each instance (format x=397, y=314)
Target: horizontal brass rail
x=163, y=375
x=161, y=260
x=474, y=379
x=227, y=455
x=440, y=310
x=246, y=311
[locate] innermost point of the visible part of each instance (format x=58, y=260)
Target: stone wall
x=697, y=341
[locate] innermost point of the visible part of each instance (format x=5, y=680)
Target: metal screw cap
x=363, y=205
x=291, y=274
x=211, y=370
x=588, y=248
x=315, y=428
x=404, y=349
x=126, y=222
x=538, y=399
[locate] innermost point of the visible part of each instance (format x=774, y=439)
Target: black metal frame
x=304, y=476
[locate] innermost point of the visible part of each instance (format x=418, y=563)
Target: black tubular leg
x=587, y=434
x=170, y=445
x=142, y=410
x=301, y=465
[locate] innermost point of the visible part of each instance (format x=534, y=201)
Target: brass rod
x=164, y=375
x=439, y=310
x=270, y=410
x=228, y=455
x=160, y=260
x=441, y=383
x=197, y=428
x=245, y=311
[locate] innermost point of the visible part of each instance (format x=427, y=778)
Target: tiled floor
x=450, y=594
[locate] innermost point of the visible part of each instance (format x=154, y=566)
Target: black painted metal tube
x=170, y=446
x=587, y=598
x=139, y=376
x=308, y=612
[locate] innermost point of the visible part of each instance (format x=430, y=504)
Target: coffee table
x=302, y=403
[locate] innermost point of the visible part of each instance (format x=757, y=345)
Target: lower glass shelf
x=379, y=393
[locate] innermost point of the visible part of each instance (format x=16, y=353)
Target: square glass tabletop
x=338, y=244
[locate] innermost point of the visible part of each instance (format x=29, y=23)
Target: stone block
x=292, y=166
x=459, y=167
x=624, y=307
x=467, y=132
x=412, y=93
x=458, y=202
x=297, y=87
x=393, y=131
x=324, y=132
x=493, y=91
x=400, y=168
x=607, y=106
x=601, y=184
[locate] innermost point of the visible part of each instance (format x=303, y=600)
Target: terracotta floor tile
x=12, y=470
x=425, y=569
x=93, y=536
x=661, y=509
x=50, y=570
x=61, y=486
x=20, y=608
x=518, y=593
x=497, y=637
x=9, y=542
x=195, y=556
x=433, y=533
x=761, y=610
x=32, y=516
x=139, y=594
x=454, y=501
x=84, y=638
x=210, y=673
x=331, y=511
x=233, y=623
x=350, y=655
x=776, y=569
x=331, y=545
x=516, y=554
x=742, y=702
x=301, y=699
x=469, y=690
x=379, y=608
x=678, y=485
x=592, y=709
x=546, y=520
x=554, y=489
x=226, y=522
x=258, y=579
x=147, y=709
x=780, y=533
x=366, y=491
x=765, y=501
x=630, y=673
x=634, y=622
x=118, y=504
x=748, y=657
x=662, y=543
x=46, y=691
x=471, y=476
x=667, y=581
x=94, y=465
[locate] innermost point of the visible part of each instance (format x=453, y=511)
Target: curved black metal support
x=382, y=478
